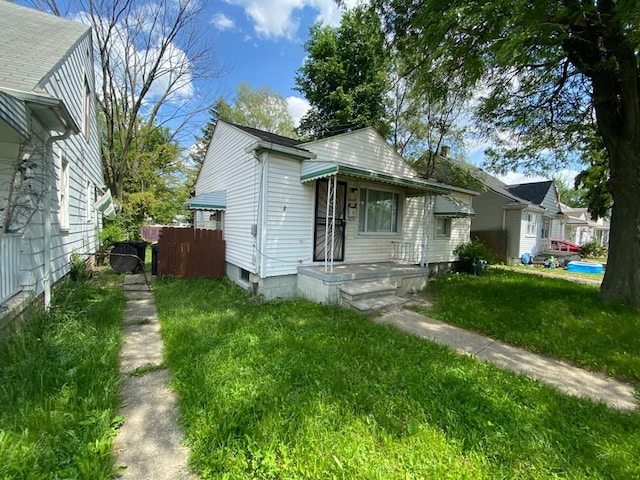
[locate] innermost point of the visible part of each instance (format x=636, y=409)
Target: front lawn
x=296, y=390
x=59, y=383
x=545, y=315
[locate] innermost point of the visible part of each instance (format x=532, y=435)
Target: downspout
x=260, y=236
x=428, y=201
x=46, y=277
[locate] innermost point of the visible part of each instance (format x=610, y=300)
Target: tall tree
x=345, y=77
x=546, y=71
x=570, y=196
x=423, y=120
x=262, y=108
x=149, y=57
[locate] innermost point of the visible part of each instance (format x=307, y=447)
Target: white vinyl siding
x=364, y=149
x=228, y=167
x=289, y=223
x=71, y=230
x=63, y=192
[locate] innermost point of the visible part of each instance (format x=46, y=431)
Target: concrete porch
x=350, y=283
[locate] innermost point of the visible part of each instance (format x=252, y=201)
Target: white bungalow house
x=50, y=167
x=527, y=215
x=303, y=219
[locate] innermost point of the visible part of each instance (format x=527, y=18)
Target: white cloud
x=222, y=22
x=513, y=178
x=297, y=108
x=281, y=18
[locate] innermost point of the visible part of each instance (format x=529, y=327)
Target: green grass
x=58, y=387
x=545, y=315
x=296, y=390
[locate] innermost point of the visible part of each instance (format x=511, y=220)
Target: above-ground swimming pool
x=585, y=267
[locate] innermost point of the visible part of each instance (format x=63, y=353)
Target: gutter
x=261, y=146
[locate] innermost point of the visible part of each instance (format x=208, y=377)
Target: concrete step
x=351, y=292
x=381, y=304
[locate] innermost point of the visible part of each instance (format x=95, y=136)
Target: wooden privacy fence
x=187, y=252
x=496, y=240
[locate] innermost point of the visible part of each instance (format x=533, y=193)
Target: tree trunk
x=622, y=277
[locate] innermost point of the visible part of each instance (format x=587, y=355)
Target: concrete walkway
x=566, y=378
x=149, y=443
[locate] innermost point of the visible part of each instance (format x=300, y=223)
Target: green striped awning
x=208, y=201
x=415, y=186
x=448, y=206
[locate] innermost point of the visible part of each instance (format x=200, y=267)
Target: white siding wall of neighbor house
x=558, y=229
x=228, y=167
x=85, y=174
x=289, y=222
x=528, y=243
x=550, y=202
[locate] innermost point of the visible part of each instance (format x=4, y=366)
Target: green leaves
x=346, y=76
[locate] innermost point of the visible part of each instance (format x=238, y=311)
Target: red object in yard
x=564, y=246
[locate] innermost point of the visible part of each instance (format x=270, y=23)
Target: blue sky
x=261, y=42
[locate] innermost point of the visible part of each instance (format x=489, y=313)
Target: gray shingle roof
x=533, y=192
x=269, y=137
x=32, y=43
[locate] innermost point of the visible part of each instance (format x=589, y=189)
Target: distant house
x=50, y=166
x=308, y=218
x=579, y=228
x=526, y=216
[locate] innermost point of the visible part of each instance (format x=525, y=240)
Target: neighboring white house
x=528, y=213
x=291, y=210
x=579, y=228
x=50, y=167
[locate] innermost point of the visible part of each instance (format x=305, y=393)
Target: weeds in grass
x=58, y=387
x=296, y=390
x=145, y=369
x=545, y=315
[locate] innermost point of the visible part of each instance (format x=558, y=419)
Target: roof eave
x=262, y=146
x=51, y=111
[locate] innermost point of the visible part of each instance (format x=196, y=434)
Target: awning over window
x=105, y=205
x=448, y=206
x=316, y=170
x=208, y=201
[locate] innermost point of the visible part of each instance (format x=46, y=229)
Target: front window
x=546, y=227
x=378, y=211
x=532, y=225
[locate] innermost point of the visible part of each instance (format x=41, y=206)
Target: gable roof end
x=33, y=44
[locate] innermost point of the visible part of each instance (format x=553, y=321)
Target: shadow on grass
x=299, y=390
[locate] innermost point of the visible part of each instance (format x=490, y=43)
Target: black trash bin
x=123, y=258
x=154, y=258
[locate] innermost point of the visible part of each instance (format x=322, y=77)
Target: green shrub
x=592, y=249
x=473, y=256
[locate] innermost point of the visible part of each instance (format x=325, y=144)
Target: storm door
x=325, y=235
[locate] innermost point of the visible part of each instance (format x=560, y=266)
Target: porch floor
x=362, y=271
